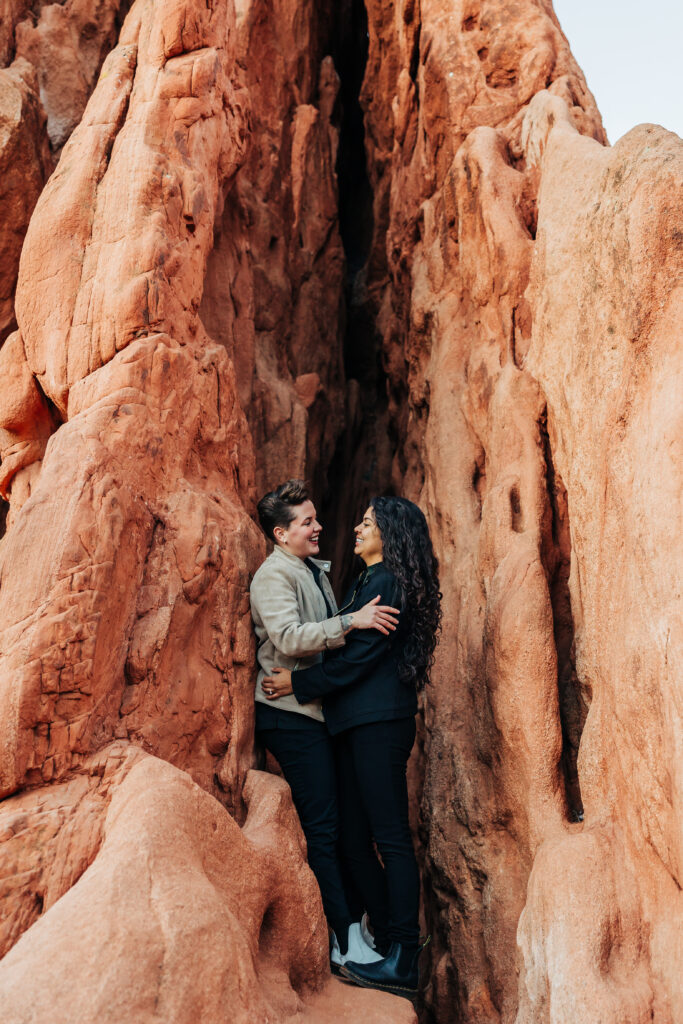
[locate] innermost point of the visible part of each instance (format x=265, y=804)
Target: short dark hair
x=276, y=507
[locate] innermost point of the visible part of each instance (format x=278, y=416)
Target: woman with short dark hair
x=369, y=690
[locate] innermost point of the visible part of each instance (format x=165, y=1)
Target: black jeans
x=373, y=793
x=306, y=756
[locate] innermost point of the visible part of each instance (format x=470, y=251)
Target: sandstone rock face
x=158, y=928
x=124, y=624
x=127, y=551
x=25, y=164
x=622, y=474
x=480, y=127
x=55, y=52
x=178, y=342
x=67, y=43
x=28, y=423
x=13, y=11
x=273, y=292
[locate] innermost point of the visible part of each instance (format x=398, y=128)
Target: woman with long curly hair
x=369, y=696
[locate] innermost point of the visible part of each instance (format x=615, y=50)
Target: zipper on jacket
x=359, y=583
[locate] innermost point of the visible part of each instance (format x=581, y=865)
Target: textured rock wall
x=525, y=285
x=117, y=536
x=160, y=928
x=178, y=340
x=25, y=163
x=126, y=650
x=54, y=52
x=273, y=293
x=615, y=428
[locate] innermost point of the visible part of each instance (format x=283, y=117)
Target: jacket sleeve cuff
x=298, y=690
x=334, y=633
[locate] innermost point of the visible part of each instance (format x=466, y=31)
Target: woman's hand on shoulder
x=373, y=615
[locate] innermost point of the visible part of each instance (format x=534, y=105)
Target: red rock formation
x=107, y=306
x=25, y=164
x=181, y=914
x=481, y=401
x=615, y=430
x=273, y=292
x=27, y=424
x=57, y=52
x=67, y=43
x=124, y=612
x=180, y=332
x=12, y=11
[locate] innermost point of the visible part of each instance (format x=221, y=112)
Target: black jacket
x=359, y=682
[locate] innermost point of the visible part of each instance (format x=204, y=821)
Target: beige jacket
x=291, y=622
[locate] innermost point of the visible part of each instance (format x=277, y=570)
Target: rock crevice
x=384, y=246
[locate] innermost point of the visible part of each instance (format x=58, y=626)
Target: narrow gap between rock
x=6, y=331
x=361, y=465
x=574, y=699
x=4, y=509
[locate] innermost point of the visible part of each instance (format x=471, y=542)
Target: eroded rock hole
x=4, y=509
x=415, y=61
x=479, y=481
x=265, y=939
x=501, y=78
x=574, y=698
x=516, y=518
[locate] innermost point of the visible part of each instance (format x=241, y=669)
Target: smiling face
x=368, y=539
x=301, y=536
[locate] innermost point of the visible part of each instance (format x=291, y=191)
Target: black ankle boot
x=397, y=973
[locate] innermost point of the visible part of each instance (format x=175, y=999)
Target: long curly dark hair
x=409, y=556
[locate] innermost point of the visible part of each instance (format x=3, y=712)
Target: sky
x=632, y=56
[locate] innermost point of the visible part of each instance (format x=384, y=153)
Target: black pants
x=372, y=762
x=306, y=756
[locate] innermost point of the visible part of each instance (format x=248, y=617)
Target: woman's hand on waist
x=279, y=684
x=373, y=615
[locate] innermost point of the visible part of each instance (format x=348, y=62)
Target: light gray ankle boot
x=357, y=949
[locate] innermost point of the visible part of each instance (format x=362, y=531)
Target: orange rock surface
x=25, y=163
x=177, y=913
x=128, y=466
x=273, y=289
x=210, y=300
x=54, y=52
x=134, y=535
x=532, y=336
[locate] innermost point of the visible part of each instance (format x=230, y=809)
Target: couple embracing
x=336, y=698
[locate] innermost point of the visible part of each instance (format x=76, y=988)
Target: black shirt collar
x=369, y=569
